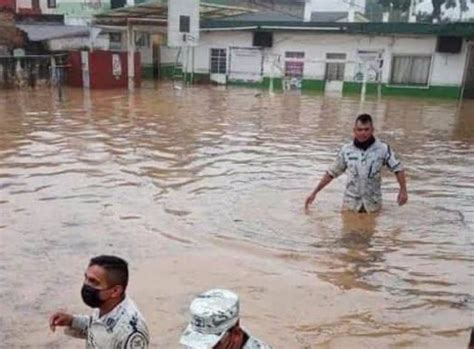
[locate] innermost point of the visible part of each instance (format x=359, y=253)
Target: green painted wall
x=147, y=72
x=277, y=83
x=453, y=92
x=166, y=71
x=313, y=85
x=432, y=91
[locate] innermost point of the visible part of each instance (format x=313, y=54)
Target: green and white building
x=415, y=59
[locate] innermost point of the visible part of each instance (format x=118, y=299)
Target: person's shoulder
x=381, y=144
x=347, y=146
x=132, y=316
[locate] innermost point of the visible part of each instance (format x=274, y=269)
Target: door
x=218, y=65
x=335, y=71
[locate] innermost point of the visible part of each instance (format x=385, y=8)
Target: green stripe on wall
x=431, y=92
x=313, y=85
x=147, y=72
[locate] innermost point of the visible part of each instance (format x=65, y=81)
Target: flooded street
x=205, y=187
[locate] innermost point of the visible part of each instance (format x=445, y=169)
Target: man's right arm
x=77, y=325
x=327, y=178
x=335, y=170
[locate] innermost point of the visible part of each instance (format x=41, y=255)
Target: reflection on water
x=163, y=170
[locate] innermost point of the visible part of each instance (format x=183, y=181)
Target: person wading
x=364, y=158
x=116, y=322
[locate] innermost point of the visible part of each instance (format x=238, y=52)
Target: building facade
x=403, y=60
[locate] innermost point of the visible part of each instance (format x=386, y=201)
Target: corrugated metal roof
x=326, y=16
x=157, y=10
x=42, y=32
x=464, y=29
x=268, y=16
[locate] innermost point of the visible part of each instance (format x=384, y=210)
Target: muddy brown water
x=204, y=187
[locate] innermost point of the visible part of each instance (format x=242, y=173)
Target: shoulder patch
x=137, y=341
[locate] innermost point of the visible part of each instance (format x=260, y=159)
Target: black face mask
x=364, y=145
x=91, y=296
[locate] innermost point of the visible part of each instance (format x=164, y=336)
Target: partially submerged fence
x=32, y=70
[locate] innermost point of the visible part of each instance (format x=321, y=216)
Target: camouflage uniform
x=122, y=328
x=213, y=313
x=363, y=188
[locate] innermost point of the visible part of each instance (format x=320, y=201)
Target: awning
x=42, y=32
x=156, y=12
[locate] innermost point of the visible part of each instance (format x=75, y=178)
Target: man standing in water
x=116, y=323
x=364, y=157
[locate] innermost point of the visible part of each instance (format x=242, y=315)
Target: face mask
x=91, y=296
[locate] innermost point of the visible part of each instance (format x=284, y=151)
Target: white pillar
x=131, y=57
x=352, y=11
x=130, y=2
x=386, y=17
x=412, y=13
x=364, y=84
x=308, y=8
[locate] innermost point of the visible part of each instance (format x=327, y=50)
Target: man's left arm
x=396, y=167
x=402, y=194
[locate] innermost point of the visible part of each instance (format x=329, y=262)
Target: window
x=410, y=70
x=294, y=69
x=338, y=56
x=184, y=24
x=115, y=37
x=294, y=64
x=218, y=61
x=142, y=40
x=115, y=41
x=294, y=54
x=335, y=70
x=117, y=3
x=51, y=3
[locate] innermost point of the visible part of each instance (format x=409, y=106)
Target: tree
x=437, y=4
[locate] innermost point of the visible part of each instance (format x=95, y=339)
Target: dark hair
x=116, y=268
x=364, y=119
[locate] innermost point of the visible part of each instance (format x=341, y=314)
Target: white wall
x=177, y=8
x=447, y=69
x=101, y=43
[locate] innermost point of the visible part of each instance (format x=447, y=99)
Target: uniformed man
x=215, y=324
x=364, y=158
x=116, y=322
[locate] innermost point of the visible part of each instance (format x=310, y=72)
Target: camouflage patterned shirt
x=122, y=328
x=254, y=343
x=363, y=188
